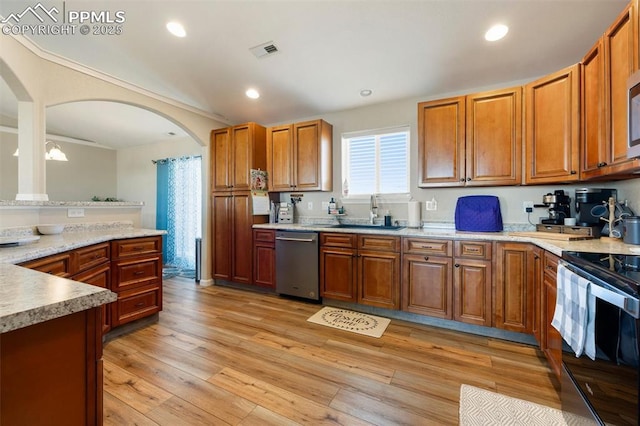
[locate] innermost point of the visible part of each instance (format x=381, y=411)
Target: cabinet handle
x=139, y=304
x=426, y=247
x=473, y=250
x=139, y=248
x=426, y=258
x=602, y=164
x=468, y=179
x=573, y=172
x=457, y=265
x=138, y=273
x=461, y=179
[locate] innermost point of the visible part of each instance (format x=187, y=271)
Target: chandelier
x=52, y=152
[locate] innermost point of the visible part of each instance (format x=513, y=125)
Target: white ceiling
x=329, y=51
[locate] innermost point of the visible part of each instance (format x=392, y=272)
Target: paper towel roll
x=414, y=215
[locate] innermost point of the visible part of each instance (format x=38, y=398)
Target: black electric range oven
x=605, y=390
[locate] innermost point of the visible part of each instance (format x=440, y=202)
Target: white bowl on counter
x=49, y=229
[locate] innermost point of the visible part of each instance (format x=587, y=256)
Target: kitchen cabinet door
x=427, y=285
x=300, y=157
x=264, y=252
x=234, y=152
x=494, y=138
x=551, y=343
x=99, y=276
x=621, y=53
x=472, y=291
x=221, y=160
x=338, y=273
x=552, y=128
x=242, y=238
x=313, y=166
x=606, y=69
x=441, y=142
x=280, y=158
x=514, y=286
x=379, y=278
x=221, y=209
x=594, y=152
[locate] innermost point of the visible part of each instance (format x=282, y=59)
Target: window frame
x=377, y=133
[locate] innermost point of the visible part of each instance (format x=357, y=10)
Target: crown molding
x=76, y=66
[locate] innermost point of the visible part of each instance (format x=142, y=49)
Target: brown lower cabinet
x=448, y=279
x=62, y=359
x=551, y=340
x=130, y=267
x=136, y=266
x=360, y=268
x=517, y=269
x=264, y=258
x=472, y=282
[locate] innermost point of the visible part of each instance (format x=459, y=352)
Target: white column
x=31, y=144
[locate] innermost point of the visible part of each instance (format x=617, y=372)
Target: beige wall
x=137, y=174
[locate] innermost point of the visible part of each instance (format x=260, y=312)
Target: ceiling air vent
x=265, y=49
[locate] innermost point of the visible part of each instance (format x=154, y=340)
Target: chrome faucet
x=373, y=208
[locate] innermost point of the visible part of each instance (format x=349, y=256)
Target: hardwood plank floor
x=222, y=356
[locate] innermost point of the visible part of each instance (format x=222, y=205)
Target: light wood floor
x=223, y=356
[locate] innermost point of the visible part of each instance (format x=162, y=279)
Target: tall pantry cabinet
x=234, y=152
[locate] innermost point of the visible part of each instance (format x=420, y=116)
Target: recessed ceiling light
x=366, y=92
x=496, y=32
x=252, y=93
x=176, y=29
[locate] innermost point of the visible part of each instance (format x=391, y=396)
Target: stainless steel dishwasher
x=297, y=264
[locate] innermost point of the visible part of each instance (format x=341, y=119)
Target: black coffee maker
x=559, y=205
x=587, y=199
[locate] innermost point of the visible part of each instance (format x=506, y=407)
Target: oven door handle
x=611, y=297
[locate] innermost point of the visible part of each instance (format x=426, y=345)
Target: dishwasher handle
x=300, y=240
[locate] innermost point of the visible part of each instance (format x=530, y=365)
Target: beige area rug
x=355, y=322
x=483, y=407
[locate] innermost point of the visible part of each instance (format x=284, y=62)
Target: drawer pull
x=139, y=304
x=473, y=250
x=427, y=247
x=138, y=248
x=426, y=258
x=138, y=273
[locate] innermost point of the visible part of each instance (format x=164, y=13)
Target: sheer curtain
x=179, y=211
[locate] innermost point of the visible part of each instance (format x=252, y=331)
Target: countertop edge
x=596, y=245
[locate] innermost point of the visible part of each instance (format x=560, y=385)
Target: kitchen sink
x=363, y=226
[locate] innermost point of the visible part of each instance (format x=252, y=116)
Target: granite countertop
x=598, y=245
x=28, y=297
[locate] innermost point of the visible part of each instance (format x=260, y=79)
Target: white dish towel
x=575, y=312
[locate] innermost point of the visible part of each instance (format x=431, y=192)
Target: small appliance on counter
x=559, y=207
x=588, y=198
x=285, y=213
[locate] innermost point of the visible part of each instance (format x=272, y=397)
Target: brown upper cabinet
x=606, y=68
x=552, y=106
x=300, y=157
x=234, y=152
x=473, y=140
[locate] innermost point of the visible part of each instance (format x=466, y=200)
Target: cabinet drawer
x=473, y=249
x=133, y=305
x=550, y=265
x=378, y=242
x=425, y=246
x=59, y=264
x=264, y=236
x=91, y=256
x=136, y=247
x=338, y=240
x=127, y=274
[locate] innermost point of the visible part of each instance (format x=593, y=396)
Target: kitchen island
x=50, y=349
x=51, y=328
